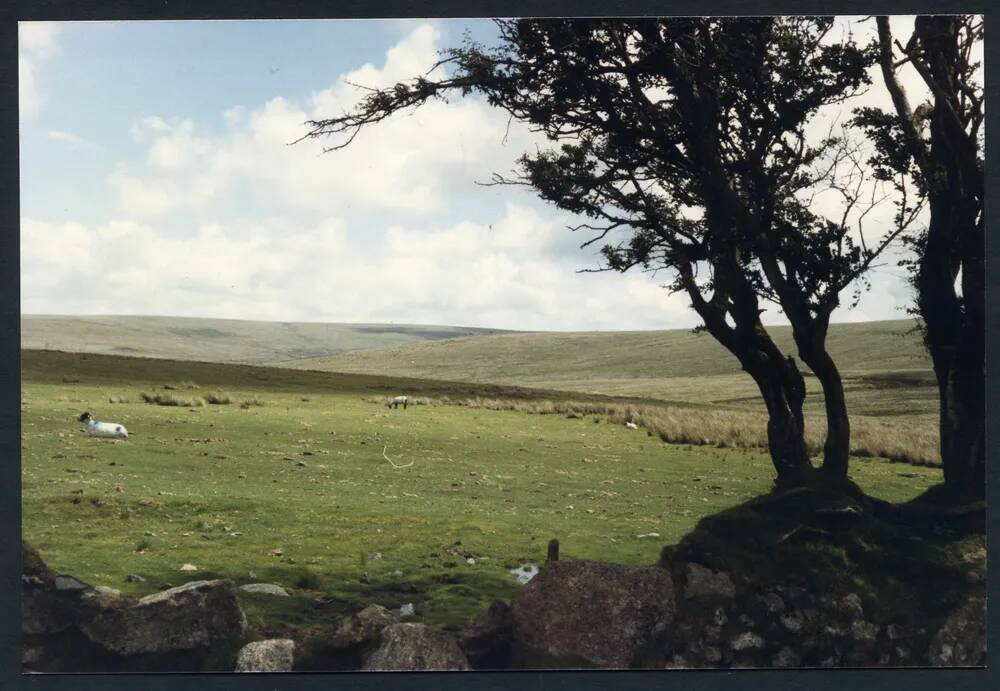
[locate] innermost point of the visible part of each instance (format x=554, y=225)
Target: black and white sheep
x=112, y=430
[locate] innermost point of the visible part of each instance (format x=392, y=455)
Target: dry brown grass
x=894, y=439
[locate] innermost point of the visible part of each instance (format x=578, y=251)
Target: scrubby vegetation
x=167, y=399
x=219, y=397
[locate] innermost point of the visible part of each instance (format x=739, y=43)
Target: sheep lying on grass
x=111, y=430
x=398, y=401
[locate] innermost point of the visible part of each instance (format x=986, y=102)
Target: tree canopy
x=685, y=143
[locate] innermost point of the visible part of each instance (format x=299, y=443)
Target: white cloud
x=68, y=137
x=311, y=250
x=150, y=125
x=411, y=163
x=37, y=38
x=510, y=275
x=36, y=43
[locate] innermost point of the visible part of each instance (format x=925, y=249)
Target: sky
x=157, y=177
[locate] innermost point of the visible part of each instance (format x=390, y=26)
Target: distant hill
x=886, y=369
x=544, y=356
x=221, y=340
x=874, y=357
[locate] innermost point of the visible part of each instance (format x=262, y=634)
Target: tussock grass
x=117, y=399
x=172, y=400
x=893, y=439
x=252, y=403
x=218, y=398
x=183, y=385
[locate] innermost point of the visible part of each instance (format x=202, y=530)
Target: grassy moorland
x=291, y=480
x=885, y=367
x=219, y=340
x=889, y=385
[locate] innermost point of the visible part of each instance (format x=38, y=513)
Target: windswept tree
x=939, y=146
x=684, y=144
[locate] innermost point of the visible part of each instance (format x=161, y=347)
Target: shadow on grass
x=912, y=561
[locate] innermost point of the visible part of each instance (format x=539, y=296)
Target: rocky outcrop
x=572, y=614
x=51, y=602
x=590, y=614
x=272, y=655
x=416, y=647
x=774, y=626
x=961, y=642
x=69, y=626
x=196, y=615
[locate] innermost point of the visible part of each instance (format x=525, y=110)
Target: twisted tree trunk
x=955, y=245
x=951, y=170
x=837, y=447
x=785, y=430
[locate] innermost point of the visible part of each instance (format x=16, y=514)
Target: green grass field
x=299, y=491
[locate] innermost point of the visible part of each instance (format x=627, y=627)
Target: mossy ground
x=298, y=490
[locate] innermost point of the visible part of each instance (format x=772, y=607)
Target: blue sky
x=104, y=76
x=156, y=179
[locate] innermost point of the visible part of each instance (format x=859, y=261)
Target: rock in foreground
x=69, y=626
x=272, y=655
x=415, y=647
x=590, y=614
x=200, y=614
x=961, y=642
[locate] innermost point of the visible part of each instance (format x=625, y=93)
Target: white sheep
x=398, y=401
x=103, y=429
x=631, y=425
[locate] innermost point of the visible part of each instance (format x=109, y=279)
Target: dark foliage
x=683, y=143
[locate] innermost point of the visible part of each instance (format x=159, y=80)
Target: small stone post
x=553, y=554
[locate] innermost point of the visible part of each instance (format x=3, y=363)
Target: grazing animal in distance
x=111, y=430
x=631, y=425
x=397, y=401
